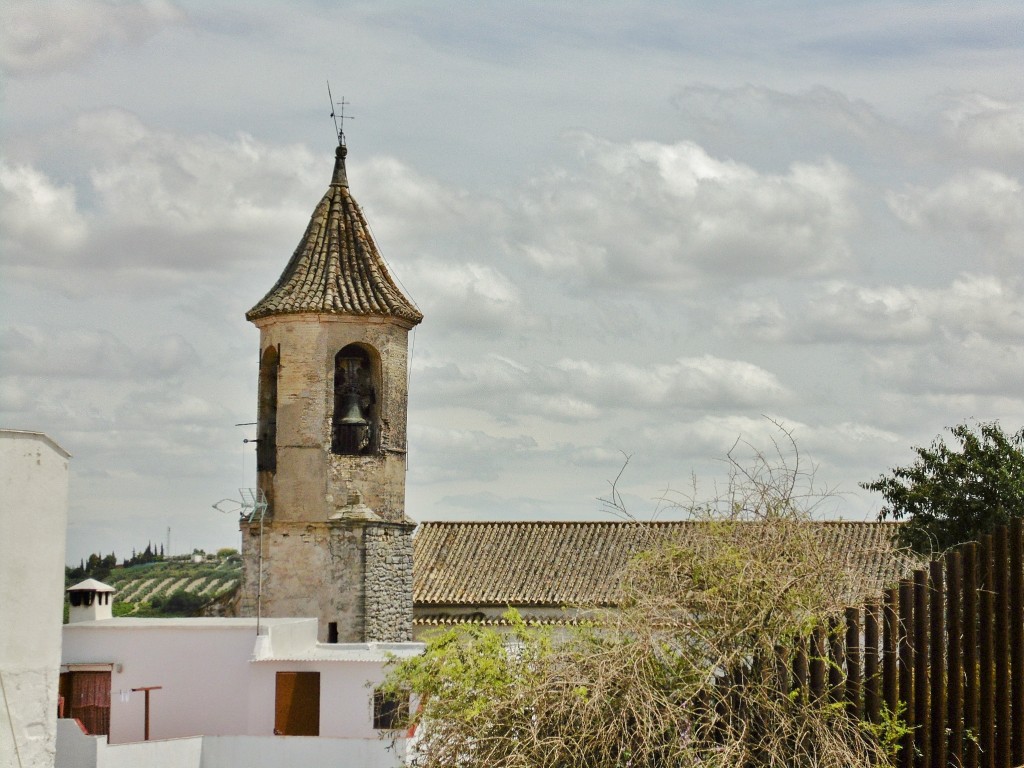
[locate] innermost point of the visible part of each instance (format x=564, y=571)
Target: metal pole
x=146, y=690
x=259, y=580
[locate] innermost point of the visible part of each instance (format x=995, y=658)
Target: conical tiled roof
x=337, y=268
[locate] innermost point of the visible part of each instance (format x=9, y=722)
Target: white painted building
x=221, y=695
x=33, y=522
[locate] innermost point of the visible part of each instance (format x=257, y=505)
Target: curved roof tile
x=337, y=268
x=557, y=564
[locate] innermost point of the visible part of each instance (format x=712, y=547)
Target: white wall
x=346, y=696
x=204, y=671
x=210, y=684
x=289, y=751
x=76, y=750
x=33, y=524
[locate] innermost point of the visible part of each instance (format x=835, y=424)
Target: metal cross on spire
x=339, y=128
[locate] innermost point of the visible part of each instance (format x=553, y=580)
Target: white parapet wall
x=77, y=750
x=33, y=525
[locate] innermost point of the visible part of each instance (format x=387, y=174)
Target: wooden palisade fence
x=945, y=649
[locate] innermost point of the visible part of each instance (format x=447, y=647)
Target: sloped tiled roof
x=578, y=563
x=90, y=585
x=479, y=619
x=336, y=267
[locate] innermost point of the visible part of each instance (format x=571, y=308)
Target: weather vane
x=339, y=128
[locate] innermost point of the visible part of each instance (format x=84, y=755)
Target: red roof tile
x=578, y=563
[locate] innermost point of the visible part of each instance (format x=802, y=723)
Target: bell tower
x=331, y=450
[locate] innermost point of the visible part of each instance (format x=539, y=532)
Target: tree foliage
x=180, y=603
x=96, y=567
x=682, y=673
x=950, y=495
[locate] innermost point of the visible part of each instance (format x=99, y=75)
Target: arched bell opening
x=266, y=416
x=354, y=428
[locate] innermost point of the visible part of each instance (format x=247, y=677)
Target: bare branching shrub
x=686, y=672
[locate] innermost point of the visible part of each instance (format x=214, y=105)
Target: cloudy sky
x=634, y=228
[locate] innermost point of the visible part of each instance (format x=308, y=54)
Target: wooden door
x=297, y=704
x=87, y=699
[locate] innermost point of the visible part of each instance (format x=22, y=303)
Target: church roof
x=559, y=564
x=337, y=268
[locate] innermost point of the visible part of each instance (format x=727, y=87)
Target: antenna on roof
x=339, y=128
x=252, y=508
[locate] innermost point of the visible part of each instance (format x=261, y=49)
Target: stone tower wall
x=308, y=571
x=356, y=574
x=310, y=482
x=336, y=543
x=388, y=581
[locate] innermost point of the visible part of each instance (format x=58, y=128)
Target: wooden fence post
x=972, y=726
x=986, y=681
x=853, y=664
x=801, y=674
x=906, y=669
x=922, y=712
x=872, y=652
x=818, y=653
x=890, y=651
x=782, y=670
x=954, y=659
x=1017, y=636
x=836, y=661
x=936, y=663
x=1002, y=646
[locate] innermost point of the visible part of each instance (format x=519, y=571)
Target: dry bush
x=683, y=673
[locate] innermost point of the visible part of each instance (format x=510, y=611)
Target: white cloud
x=29, y=350
x=37, y=217
x=572, y=390
x=661, y=216
x=159, y=207
x=444, y=454
x=846, y=312
x=559, y=406
x=814, y=122
x=988, y=126
x=982, y=304
x=465, y=297
x=980, y=202
x=15, y=395
x=173, y=409
x=168, y=355
x=694, y=382
x=414, y=209
x=80, y=353
x=969, y=364
x=39, y=36
x=703, y=260
x=196, y=184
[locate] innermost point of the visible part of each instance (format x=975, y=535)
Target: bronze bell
x=353, y=411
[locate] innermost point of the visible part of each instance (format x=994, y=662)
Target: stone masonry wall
x=337, y=544
x=309, y=571
x=310, y=482
x=388, y=583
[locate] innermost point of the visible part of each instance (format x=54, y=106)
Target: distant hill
x=173, y=587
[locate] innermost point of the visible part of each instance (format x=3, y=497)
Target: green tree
x=180, y=603
x=682, y=673
x=950, y=495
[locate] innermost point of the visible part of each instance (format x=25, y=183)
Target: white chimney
x=90, y=600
